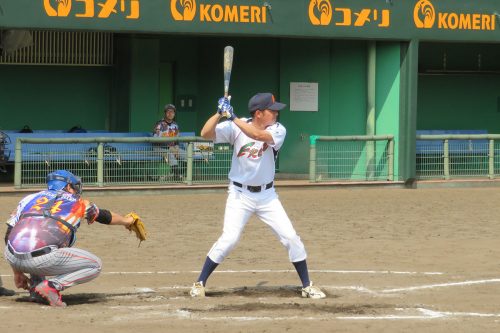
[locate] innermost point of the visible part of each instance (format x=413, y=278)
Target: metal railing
x=111, y=161
x=351, y=158
x=449, y=156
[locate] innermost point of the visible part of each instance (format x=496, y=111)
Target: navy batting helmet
x=58, y=180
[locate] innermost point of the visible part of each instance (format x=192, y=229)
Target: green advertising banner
x=474, y=20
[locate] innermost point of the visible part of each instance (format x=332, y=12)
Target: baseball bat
x=228, y=65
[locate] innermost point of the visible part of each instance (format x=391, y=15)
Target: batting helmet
x=58, y=180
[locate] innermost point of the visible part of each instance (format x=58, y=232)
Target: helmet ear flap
x=77, y=186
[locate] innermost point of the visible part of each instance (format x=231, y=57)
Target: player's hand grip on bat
x=221, y=103
x=225, y=109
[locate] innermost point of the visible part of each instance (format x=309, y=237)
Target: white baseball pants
x=240, y=206
x=66, y=266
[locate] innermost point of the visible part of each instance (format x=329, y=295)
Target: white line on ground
x=438, y=285
x=406, y=314
x=426, y=314
x=284, y=271
x=327, y=271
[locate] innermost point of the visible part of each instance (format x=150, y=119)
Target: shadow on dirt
x=260, y=291
x=86, y=298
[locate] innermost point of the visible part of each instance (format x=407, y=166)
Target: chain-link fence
x=123, y=161
x=351, y=158
x=453, y=156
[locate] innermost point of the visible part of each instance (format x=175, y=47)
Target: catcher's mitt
x=137, y=226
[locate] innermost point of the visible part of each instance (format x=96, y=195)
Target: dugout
x=373, y=68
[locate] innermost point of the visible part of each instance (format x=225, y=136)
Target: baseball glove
x=137, y=226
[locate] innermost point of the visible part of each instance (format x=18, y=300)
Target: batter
x=256, y=142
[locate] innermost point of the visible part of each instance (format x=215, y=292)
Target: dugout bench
x=104, y=158
x=445, y=153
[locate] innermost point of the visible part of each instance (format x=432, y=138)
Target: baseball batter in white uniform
x=256, y=142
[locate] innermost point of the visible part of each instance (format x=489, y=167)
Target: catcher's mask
x=58, y=180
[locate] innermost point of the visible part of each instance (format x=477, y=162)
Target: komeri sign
x=187, y=10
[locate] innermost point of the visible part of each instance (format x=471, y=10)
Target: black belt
x=33, y=254
x=254, y=189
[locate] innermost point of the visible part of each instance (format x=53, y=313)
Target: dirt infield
x=390, y=260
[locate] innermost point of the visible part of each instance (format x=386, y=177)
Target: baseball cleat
x=197, y=290
x=312, y=292
x=50, y=294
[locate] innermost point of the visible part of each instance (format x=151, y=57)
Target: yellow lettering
x=363, y=17
x=134, y=10
x=453, y=21
x=264, y=14
x=39, y=202
x=244, y=14
x=204, y=13
x=464, y=21
x=442, y=20
x=255, y=14
x=217, y=13
x=107, y=8
x=231, y=14
x=386, y=18
x=346, y=13
x=486, y=22
x=55, y=208
x=89, y=8
x=476, y=21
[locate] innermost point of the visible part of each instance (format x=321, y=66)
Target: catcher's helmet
x=58, y=180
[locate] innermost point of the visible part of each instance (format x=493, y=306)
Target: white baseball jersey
x=253, y=162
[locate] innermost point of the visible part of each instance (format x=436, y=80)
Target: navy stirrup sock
x=301, y=267
x=207, y=269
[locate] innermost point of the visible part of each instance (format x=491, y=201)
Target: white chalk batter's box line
x=381, y=292
x=162, y=311
x=324, y=271
x=405, y=314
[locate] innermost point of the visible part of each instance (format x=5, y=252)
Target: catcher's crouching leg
x=80, y=267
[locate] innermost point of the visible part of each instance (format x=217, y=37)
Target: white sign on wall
x=304, y=96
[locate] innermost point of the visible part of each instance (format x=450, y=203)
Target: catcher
x=42, y=231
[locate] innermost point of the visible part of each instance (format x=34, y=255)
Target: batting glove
x=223, y=101
x=228, y=112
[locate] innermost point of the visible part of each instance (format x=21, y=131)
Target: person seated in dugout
x=168, y=127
